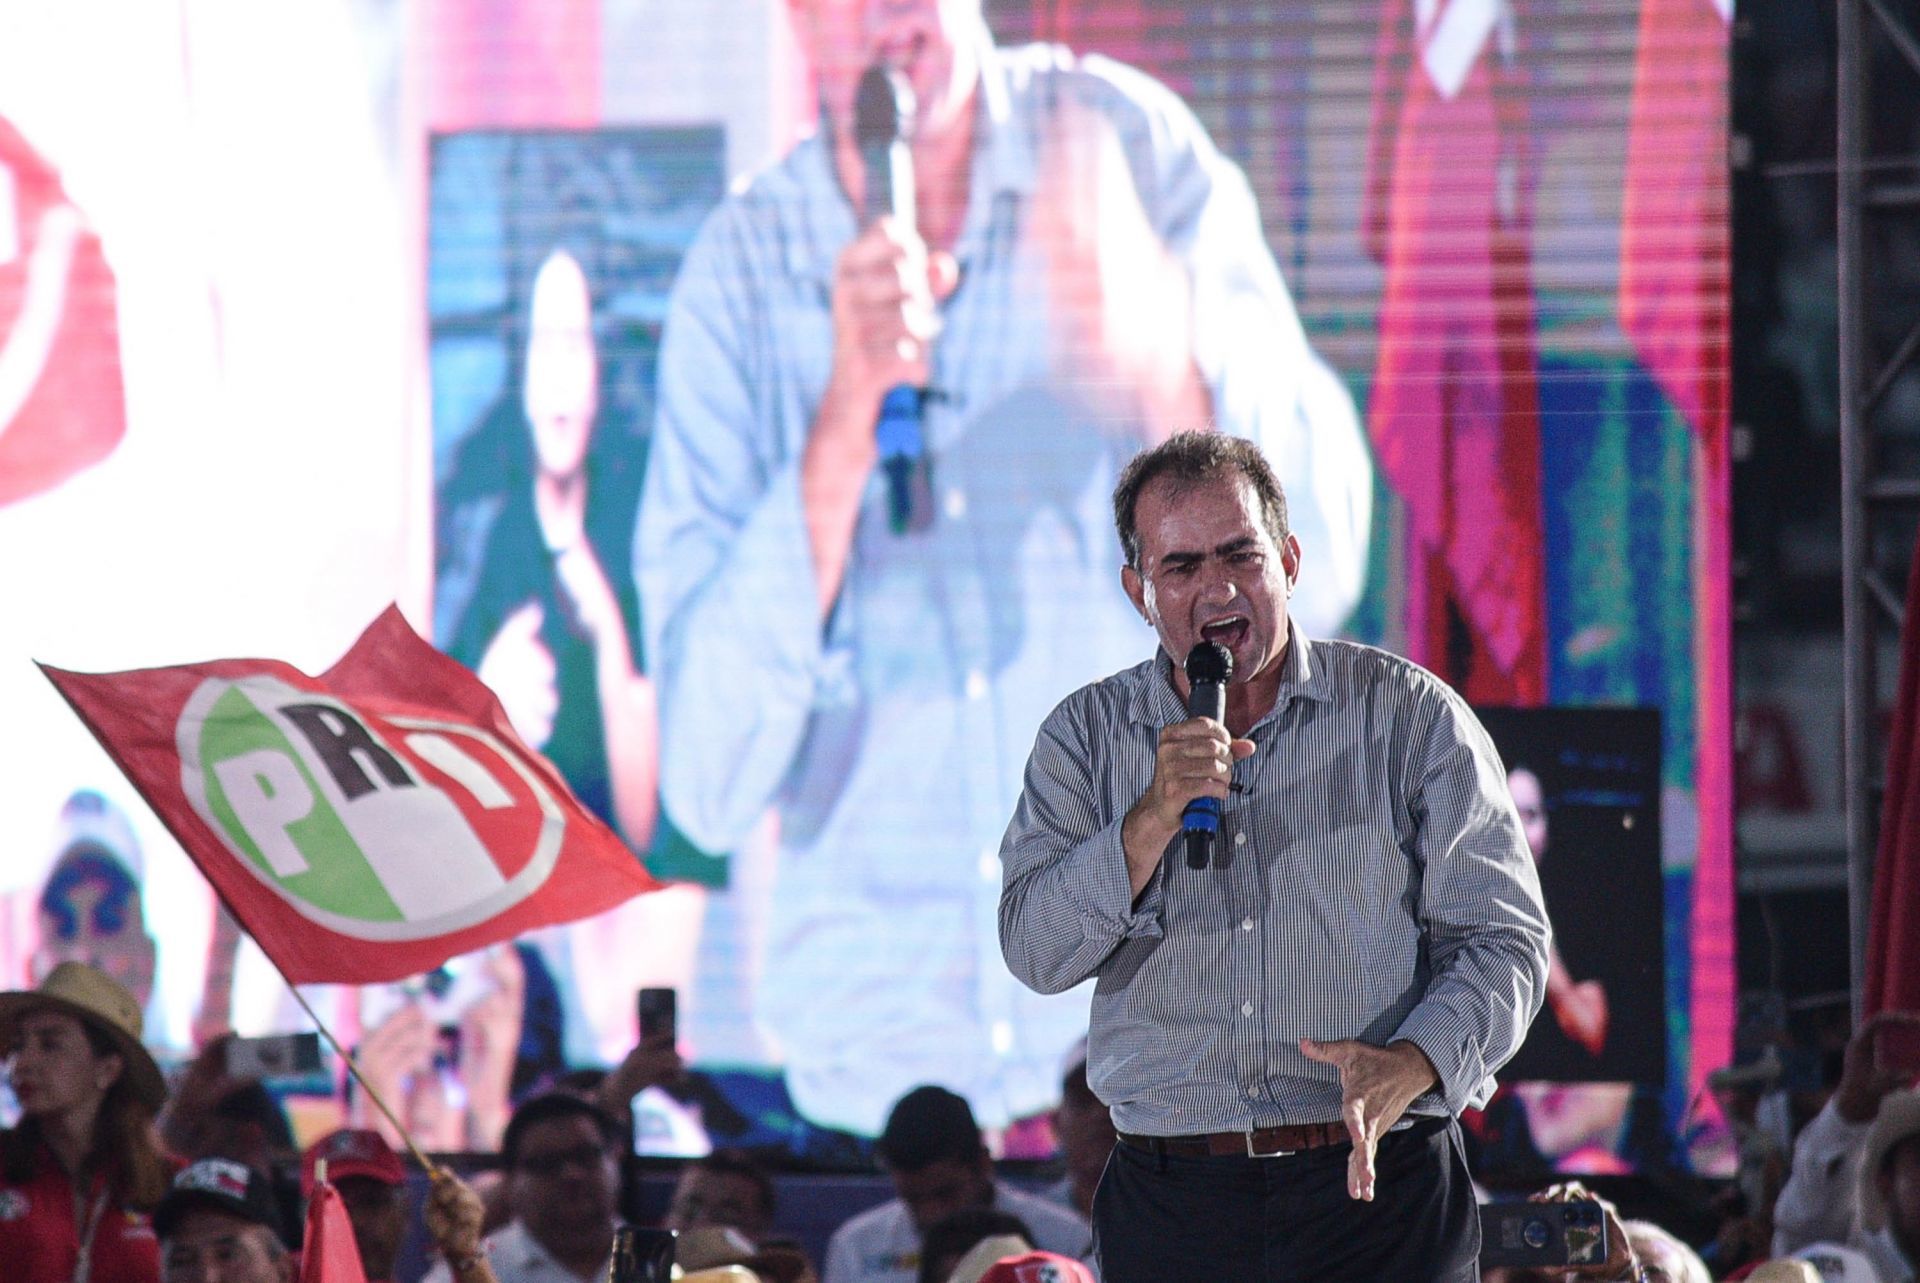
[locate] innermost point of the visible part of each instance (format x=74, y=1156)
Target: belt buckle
x=1267, y=1153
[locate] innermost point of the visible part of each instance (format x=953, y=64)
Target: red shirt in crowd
x=41, y=1229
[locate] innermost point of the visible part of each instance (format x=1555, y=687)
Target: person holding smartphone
x=1856, y=1166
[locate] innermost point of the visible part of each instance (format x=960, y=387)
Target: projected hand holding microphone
x=883, y=113
x=1120, y=303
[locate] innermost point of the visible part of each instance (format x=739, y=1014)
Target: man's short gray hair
x=1190, y=459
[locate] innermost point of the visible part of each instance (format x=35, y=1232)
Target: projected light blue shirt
x=891, y=741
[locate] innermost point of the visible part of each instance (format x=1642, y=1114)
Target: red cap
x=352, y=1152
x=1038, y=1267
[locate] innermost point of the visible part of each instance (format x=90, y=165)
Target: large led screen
x=540, y=318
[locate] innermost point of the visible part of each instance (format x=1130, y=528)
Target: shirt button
x=1246, y=1009
x=956, y=504
x=1246, y=924
x=1240, y=839
x=976, y=684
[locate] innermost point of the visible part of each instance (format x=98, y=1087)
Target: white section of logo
x=426, y=856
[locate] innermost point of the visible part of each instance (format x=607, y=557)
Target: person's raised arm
x=1820, y=1196
x=886, y=289
x=454, y=1214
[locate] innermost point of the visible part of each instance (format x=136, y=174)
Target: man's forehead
x=1197, y=517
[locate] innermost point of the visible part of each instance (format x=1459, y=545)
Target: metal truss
x=1879, y=356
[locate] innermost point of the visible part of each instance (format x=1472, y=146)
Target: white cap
x=1837, y=1264
x=91, y=819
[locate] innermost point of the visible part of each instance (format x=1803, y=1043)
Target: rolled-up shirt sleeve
x=1066, y=901
x=1480, y=904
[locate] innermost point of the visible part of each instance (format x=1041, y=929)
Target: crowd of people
x=112, y=1174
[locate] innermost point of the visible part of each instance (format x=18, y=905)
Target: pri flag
x=328, y=1253
x=365, y=825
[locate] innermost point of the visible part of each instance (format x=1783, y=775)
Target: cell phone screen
x=658, y=1010
x=1539, y=1235
x=276, y=1058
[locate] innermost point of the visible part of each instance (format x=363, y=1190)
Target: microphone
x=1209, y=667
x=883, y=111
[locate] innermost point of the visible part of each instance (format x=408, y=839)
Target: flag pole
x=426, y=1164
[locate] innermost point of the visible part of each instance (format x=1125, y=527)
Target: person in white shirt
x=934, y=1154
x=563, y=1182
x=1856, y=1166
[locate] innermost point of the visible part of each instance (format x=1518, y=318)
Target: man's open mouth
x=1228, y=630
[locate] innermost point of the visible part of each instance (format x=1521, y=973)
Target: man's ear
x=1136, y=589
x=1290, y=560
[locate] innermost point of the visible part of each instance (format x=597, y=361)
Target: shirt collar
x=1007, y=163
x=1156, y=702
x=529, y=1255
x=1003, y=161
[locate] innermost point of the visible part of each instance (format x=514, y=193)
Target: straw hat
x=1899, y=1118
x=706, y=1246
x=91, y=996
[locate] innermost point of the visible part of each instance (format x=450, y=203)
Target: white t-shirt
x=881, y=1244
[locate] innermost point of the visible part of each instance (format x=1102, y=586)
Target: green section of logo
x=338, y=877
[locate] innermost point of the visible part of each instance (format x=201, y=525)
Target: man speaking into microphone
x=1286, y=1034
x=860, y=600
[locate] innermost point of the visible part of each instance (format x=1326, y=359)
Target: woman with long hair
x=82, y=1170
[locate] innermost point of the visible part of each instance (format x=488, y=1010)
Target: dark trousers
x=1166, y=1219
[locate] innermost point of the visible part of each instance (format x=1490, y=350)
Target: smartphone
x=642, y=1256
x=1542, y=1235
x=1896, y=1048
x=658, y=1010
x=277, y=1057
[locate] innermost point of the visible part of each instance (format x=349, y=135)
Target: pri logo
x=383, y=829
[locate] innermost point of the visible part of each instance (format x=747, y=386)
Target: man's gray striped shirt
x=1370, y=881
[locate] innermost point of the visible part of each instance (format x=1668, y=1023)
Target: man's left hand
x=1376, y=1086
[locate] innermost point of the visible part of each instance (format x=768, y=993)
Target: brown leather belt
x=1260, y=1142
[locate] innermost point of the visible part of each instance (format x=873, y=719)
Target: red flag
x=1893, y=929
x=329, y=1254
x=61, y=404
x=364, y=825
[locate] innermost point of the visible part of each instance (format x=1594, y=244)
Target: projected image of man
x=869, y=650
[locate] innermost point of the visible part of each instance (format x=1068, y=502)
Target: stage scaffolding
x=1878, y=82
